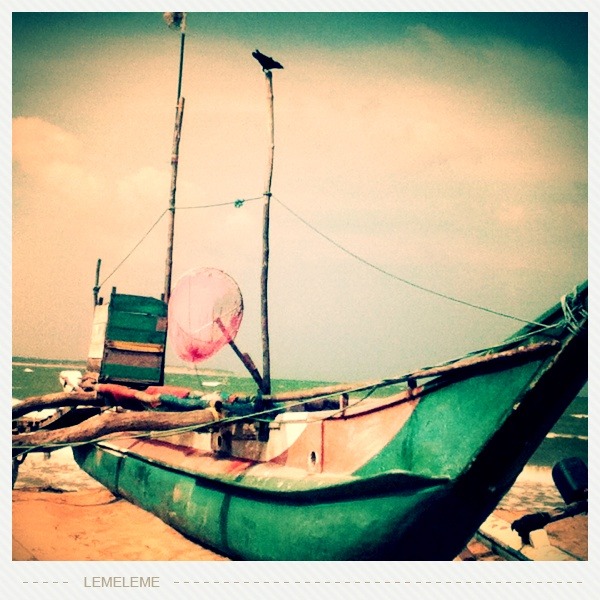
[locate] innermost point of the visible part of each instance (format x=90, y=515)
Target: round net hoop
x=205, y=313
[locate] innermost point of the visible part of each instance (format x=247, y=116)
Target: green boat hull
x=346, y=522
x=408, y=480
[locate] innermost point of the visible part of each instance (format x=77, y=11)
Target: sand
x=94, y=525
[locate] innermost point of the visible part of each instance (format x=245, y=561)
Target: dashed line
x=377, y=582
x=45, y=582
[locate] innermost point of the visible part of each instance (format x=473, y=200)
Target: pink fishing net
x=205, y=313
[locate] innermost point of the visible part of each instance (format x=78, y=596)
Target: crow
x=266, y=62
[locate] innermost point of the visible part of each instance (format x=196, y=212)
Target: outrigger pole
x=176, y=21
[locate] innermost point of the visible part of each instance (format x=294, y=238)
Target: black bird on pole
x=266, y=62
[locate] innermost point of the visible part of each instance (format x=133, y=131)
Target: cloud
x=37, y=142
x=511, y=214
x=50, y=177
x=432, y=107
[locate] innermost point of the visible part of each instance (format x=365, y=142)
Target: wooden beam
x=111, y=422
x=541, y=348
x=244, y=357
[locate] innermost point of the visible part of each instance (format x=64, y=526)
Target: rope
x=240, y=202
x=237, y=203
x=406, y=281
x=571, y=318
x=133, y=249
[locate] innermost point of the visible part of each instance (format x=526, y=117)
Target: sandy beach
x=61, y=514
x=94, y=525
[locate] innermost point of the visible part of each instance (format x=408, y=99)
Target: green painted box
x=129, y=340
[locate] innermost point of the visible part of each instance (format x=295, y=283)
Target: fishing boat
x=378, y=479
x=403, y=468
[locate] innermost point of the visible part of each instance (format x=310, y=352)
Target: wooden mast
x=180, y=23
x=266, y=375
x=267, y=63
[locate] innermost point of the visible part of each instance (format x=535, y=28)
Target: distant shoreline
x=80, y=366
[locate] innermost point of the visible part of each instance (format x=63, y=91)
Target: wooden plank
x=139, y=304
x=136, y=321
x=130, y=374
x=123, y=347
x=133, y=335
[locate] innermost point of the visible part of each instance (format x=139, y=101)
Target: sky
x=448, y=150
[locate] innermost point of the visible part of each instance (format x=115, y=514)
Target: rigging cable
x=134, y=248
x=405, y=281
x=237, y=203
x=240, y=202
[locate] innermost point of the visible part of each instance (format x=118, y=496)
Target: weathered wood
x=243, y=356
x=97, y=281
x=139, y=401
x=476, y=361
x=111, y=422
x=174, y=165
x=264, y=277
x=146, y=420
x=460, y=365
x=55, y=400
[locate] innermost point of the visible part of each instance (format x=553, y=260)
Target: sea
x=534, y=489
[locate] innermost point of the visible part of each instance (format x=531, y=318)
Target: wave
x=535, y=474
x=566, y=436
